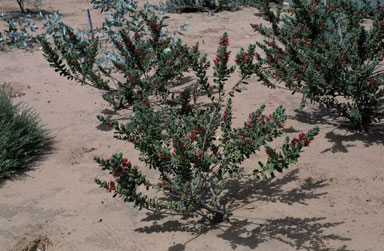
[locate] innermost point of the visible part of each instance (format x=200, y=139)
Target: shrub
x=24, y=33
x=19, y=33
x=22, y=138
x=327, y=54
x=192, y=146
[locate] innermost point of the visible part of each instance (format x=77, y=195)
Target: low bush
x=22, y=138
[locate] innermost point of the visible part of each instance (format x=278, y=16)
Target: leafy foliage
x=328, y=54
x=24, y=33
x=22, y=138
x=19, y=33
x=191, y=145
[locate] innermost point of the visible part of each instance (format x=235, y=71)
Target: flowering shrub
x=138, y=65
x=327, y=54
x=192, y=146
x=22, y=138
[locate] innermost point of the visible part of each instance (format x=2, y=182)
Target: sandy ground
x=331, y=200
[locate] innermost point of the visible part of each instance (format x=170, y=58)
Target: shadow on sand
x=342, y=134
x=297, y=233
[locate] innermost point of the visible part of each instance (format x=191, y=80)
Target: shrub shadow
x=298, y=233
x=272, y=190
x=318, y=115
x=341, y=141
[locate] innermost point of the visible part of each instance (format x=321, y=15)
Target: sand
x=331, y=200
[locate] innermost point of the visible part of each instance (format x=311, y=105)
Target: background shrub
x=22, y=32
x=22, y=138
x=331, y=54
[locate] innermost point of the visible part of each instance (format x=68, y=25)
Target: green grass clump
x=22, y=138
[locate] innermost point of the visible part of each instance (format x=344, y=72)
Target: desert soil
x=332, y=199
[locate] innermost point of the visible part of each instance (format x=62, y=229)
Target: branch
x=205, y=142
x=210, y=208
x=378, y=72
x=341, y=36
x=170, y=179
x=208, y=128
x=213, y=194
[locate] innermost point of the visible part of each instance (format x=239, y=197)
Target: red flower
x=125, y=160
x=255, y=26
x=217, y=59
x=193, y=136
x=117, y=174
x=198, y=154
x=224, y=42
x=110, y=186
x=225, y=116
